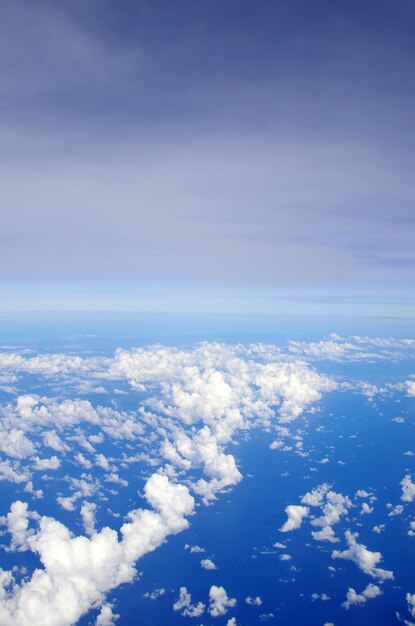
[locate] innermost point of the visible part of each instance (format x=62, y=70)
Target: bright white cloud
x=366, y=560
x=219, y=601
x=106, y=617
x=77, y=571
x=296, y=514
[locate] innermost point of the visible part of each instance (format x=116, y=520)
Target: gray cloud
x=236, y=144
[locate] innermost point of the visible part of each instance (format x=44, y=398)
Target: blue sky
x=207, y=156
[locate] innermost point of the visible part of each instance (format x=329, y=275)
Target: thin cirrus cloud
x=237, y=145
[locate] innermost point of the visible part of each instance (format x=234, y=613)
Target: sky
x=204, y=155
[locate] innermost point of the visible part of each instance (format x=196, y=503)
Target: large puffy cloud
x=77, y=571
x=295, y=514
x=335, y=507
x=219, y=601
x=366, y=560
x=14, y=443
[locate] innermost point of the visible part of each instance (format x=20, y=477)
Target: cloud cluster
x=353, y=349
x=192, y=404
x=333, y=506
x=78, y=571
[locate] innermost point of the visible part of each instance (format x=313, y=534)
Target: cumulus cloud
x=334, y=508
x=52, y=440
x=46, y=464
x=371, y=591
x=77, y=571
x=185, y=606
x=15, y=443
x=325, y=534
x=296, y=514
x=88, y=510
x=410, y=599
x=408, y=489
x=365, y=560
x=316, y=496
x=106, y=617
x=366, y=509
x=208, y=564
x=219, y=601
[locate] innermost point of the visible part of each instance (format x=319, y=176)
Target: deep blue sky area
x=207, y=156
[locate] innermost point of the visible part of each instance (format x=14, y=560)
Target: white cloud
x=219, y=601
x=185, y=606
x=335, y=507
x=253, y=601
x=193, y=402
x=78, y=571
x=15, y=444
x=353, y=349
x=316, y=496
x=52, y=463
x=371, y=591
x=408, y=489
x=155, y=594
x=194, y=549
x=410, y=599
x=88, y=510
x=12, y=472
x=325, y=534
x=208, y=564
x=52, y=440
x=362, y=493
x=366, y=509
x=296, y=514
x=106, y=617
x=366, y=560
x=324, y=597
x=18, y=525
